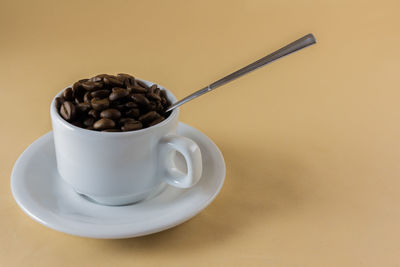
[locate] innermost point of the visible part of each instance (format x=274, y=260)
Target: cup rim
x=56, y=115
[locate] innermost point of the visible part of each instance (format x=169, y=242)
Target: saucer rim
x=33, y=210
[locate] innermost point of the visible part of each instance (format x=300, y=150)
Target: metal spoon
x=290, y=48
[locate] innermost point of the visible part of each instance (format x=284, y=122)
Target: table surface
x=311, y=142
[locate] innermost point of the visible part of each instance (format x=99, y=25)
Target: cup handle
x=192, y=155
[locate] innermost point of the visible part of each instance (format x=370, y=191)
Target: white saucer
x=43, y=195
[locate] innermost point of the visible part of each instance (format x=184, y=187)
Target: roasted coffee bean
x=111, y=113
x=103, y=124
x=131, y=126
x=100, y=93
x=163, y=94
x=151, y=106
x=154, y=96
x=88, y=121
x=164, y=102
x=142, y=84
x=118, y=93
x=68, y=95
x=110, y=103
x=94, y=113
x=76, y=86
x=116, y=103
x=83, y=107
x=131, y=105
x=68, y=111
x=128, y=84
x=158, y=120
x=120, y=107
x=102, y=75
x=112, y=81
x=58, y=102
x=112, y=130
x=121, y=79
x=126, y=120
x=140, y=99
x=125, y=76
x=100, y=104
x=149, y=117
x=77, y=124
x=96, y=79
x=92, y=85
x=78, y=93
x=159, y=108
x=87, y=97
x=133, y=113
x=88, y=85
x=137, y=89
x=151, y=89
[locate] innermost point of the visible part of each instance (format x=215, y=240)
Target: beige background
x=311, y=142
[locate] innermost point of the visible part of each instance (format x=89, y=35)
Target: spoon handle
x=290, y=48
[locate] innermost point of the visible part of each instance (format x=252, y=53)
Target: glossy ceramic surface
x=43, y=195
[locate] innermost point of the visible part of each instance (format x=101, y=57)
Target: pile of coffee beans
x=111, y=103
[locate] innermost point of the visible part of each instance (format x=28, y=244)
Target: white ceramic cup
x=118, y=168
